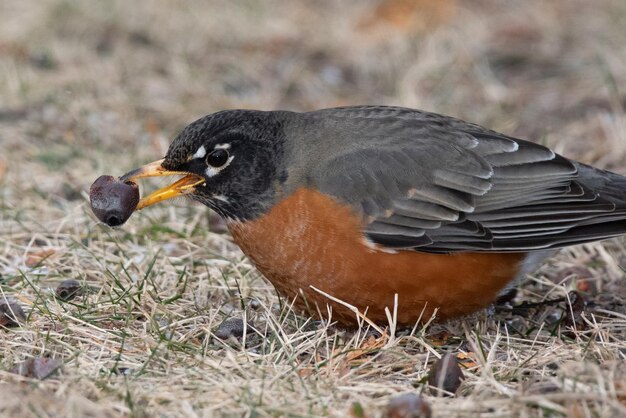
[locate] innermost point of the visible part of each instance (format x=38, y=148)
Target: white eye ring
x=213, y=171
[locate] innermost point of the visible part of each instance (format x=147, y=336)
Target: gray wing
x=438, y=184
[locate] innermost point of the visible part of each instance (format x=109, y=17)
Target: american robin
x=348, y=207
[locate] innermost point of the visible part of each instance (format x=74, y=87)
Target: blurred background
x=87, y=86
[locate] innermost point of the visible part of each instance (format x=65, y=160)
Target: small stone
x=37, y=367
x=11, y=314
x=446, y=375
x=409, y=405
x=553, y=366
x=255, y=304
x=232, y=327
x=123, y=371
x=68, y=289
x=113, y=201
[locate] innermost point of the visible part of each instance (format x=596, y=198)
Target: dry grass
x=99, y=87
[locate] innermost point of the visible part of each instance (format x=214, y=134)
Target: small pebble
x=68, y=289
x=409, y=405
x=113, y=201
x=255, y=304
x=11, y=314
x=232, y=327
x=446, y=375
x=37, y=367
x=123, y=371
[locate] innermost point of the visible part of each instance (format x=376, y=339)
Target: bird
x=373, y=209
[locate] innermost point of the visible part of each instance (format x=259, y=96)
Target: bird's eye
x=217, y=158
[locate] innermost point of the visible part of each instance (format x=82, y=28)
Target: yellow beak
x=182, y=187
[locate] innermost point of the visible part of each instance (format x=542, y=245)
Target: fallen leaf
x=370, y=345
x=468, y=359
x=439, y=339
x=36, y=257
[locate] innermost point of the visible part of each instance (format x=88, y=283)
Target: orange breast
x=310, y=240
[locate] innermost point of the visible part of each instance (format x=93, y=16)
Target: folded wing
x=437, y=184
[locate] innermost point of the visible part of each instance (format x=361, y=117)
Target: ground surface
x=88, y=88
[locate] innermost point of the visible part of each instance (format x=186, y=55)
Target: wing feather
x=434, y=183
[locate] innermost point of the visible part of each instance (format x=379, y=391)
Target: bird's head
x=230, y=161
